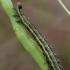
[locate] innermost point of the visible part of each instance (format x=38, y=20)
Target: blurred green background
x=53, y=23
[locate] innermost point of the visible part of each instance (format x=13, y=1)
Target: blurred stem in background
x=64, y=7
x=23, y=37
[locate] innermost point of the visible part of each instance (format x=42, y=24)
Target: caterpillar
x=45, y=48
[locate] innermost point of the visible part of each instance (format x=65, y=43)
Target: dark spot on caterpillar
x=19, y=5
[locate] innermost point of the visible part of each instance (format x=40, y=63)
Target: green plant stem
x=23, y=37
x=64, y=7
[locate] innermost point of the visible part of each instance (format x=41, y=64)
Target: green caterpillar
x=45, y=48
